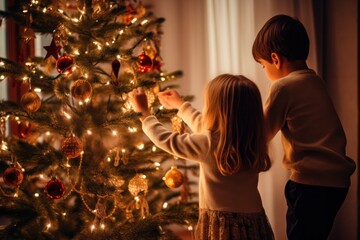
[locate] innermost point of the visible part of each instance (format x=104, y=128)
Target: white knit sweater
x=312, y=135
x=237, y=193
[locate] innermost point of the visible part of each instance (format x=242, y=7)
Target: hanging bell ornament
x=81, y=89
x=144, y=63
x=55, y=188
x=13, y=176
x=30, y=101
x=72, y=147
x=174, y=178
x=64, y=64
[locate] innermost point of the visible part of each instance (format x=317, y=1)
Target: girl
x=229, y=143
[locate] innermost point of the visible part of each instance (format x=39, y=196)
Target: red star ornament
x=52, y=50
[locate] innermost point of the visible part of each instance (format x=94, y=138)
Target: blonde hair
x=233, y=113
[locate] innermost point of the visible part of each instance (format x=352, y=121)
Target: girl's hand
x=170, y=99
x=139, y=102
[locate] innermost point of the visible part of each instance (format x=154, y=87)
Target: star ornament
x=52, y=50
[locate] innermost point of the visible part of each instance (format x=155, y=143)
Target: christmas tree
x=80, y=166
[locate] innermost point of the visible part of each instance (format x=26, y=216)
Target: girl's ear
x=276, y=60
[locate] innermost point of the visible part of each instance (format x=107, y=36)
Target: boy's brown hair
x=283, y=35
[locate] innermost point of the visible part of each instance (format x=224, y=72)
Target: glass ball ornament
x=138, y=184
x=55, y=188
x=144, y=63
x=173, y=178
x=64, y=64
x=81, y=89
x=72, y=147
x=30, y=101
x=25, y=129
x=13, y=176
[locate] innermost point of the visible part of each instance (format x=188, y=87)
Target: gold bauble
x=138, y=184
x=72, y=147
x=174, y=178
x=30, y=101
x=81, y=89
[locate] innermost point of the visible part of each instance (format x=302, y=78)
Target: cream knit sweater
x=312, y=135
x=237, y=193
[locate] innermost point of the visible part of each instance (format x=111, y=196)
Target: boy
x=312, y=135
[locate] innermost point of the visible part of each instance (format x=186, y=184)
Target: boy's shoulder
x=297, y=78
x=295, y=82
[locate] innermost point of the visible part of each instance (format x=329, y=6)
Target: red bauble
x=72, y=147
x=55, y=188
x=144, y=63
x=64, y=64
x=13, y=176
x=25, y=129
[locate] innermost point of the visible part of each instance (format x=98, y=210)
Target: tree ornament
x=30, y=101
x=28, y=35
x=81, y=89
x=185, y=189
x=178, y=125
x=99, y=8
x=115, y=65
x=129, y=16
x=144, y=63
x=52, y=50
x=13, y=176
x=174, y=178
x=64, y=64
x=157, y=64
x=61, y=35
x=150, y=51
x=138, y=184
x=55, y=188
x=25, y=129
x=72, y=147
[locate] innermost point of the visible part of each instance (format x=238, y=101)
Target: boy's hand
x=170, y=99
x=139, y=102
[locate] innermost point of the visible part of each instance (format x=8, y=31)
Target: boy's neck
x=289, y=67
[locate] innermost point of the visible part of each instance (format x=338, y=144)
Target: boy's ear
x=276, y=59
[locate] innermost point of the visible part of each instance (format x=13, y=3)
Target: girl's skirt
x=218, y=225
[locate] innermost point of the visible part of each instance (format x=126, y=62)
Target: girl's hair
x=283, y=35
x=233, y=113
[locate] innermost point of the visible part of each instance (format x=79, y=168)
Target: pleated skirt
x=218, y=225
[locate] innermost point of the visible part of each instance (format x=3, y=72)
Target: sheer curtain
x=232, y=27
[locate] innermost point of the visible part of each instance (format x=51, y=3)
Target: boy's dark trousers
x=311, y=210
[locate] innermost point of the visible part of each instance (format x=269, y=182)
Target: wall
x=341, y=66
